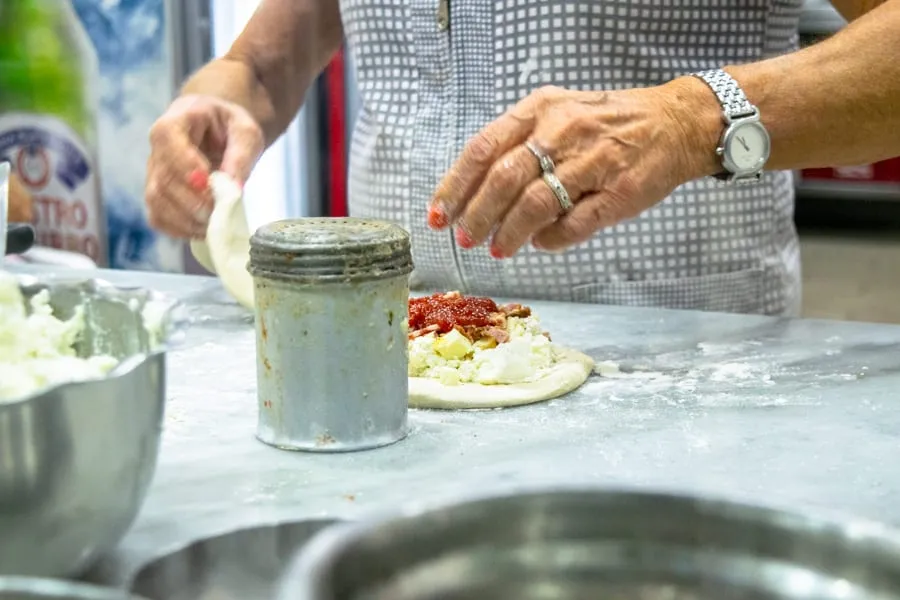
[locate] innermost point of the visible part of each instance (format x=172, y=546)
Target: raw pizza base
x=226, y=250
x=568, y=374
x=201, y=252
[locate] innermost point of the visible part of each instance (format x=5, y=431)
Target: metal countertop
x=793, y=413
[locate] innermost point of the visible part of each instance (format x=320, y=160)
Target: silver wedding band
x=559, y=190
x=545, y=161
x=550, y=178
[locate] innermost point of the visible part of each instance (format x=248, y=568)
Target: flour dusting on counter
x=712, y=375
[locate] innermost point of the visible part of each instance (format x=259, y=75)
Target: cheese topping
x=37, y=349
x=453, y=359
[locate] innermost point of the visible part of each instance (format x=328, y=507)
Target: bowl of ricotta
x=82, y=396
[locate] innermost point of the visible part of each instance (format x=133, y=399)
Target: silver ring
x=547, y=165
x=559, y=190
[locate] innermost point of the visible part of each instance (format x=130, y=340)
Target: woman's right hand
x=194, y=137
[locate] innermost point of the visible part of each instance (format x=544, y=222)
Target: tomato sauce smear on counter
x=441, y=313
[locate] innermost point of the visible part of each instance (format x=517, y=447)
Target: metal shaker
x=331, y=309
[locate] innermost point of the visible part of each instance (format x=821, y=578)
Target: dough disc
x=572, y=369
x=226, y=250
x=201, y=252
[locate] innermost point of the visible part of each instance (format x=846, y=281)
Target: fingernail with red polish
x=463, y=238
x=496, y=252
x=198, y=180
x=437, y=217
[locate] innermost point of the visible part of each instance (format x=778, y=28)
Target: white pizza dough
x=572, y=369
x=226, y=250
x=201, y=252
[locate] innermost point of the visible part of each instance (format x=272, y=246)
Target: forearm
x=268, y=69
x=853, y=9
x=834, y=103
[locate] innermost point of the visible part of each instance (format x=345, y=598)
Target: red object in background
x=886, y=171
x=337, y=135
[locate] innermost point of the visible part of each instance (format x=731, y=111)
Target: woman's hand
x=195, y=136
x=616, y=153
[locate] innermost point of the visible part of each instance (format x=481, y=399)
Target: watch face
x=748, y=147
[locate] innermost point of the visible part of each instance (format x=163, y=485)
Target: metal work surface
x=801, y=414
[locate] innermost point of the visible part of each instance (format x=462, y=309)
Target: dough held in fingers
x=226, y=249
x=201, y=253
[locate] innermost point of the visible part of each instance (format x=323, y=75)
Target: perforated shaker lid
x=330, y=250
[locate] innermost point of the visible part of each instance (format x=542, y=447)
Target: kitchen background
x=849, y=222
x=848, y=218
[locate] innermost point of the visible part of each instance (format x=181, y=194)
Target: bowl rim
x=51, y=588
x=174, y=317
x=185, y=545
x=303, y=576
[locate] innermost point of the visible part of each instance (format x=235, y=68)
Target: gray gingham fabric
x=425, y=91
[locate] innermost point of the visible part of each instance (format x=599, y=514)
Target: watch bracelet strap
x=729, y=94
x=731, y=98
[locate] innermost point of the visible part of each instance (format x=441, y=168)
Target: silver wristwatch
x=744, y=146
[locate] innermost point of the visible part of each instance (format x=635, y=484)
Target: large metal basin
x=76, y=460
x=241, y=565
x=590, y=544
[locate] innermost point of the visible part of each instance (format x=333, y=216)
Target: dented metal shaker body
x=331, y=334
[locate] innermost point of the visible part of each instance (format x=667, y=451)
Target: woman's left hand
x=616, y=153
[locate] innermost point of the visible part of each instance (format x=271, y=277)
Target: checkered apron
x=425, y=89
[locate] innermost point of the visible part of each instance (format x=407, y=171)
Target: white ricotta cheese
x=36, y=350
x=452, y=359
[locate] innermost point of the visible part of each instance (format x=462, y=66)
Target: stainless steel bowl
x=27, y=588
x=241, y=565
x=590, y=544
x=76, y=459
